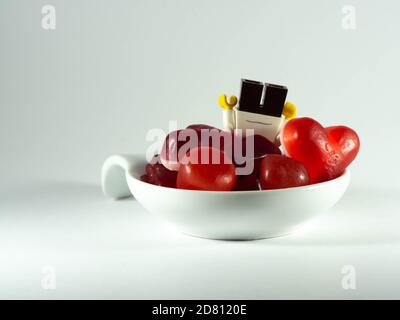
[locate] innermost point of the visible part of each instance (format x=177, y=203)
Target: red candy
x=172, y=145
x=314, y=154
x=325, y=152
x=157, y=174
x=247, y=183
x=195, y=174
x=262, y=147
x=278, y=172
x=185, y=139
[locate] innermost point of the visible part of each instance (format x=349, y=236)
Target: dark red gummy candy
x=158, y=175
x=247, y=183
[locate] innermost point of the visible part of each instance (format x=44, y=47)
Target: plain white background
x=112, y=70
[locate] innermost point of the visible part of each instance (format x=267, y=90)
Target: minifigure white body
x=262, y=108
x=264, y=125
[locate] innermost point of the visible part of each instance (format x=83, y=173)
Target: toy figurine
x=262, y=107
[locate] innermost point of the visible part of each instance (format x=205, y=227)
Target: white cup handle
x=113, y=175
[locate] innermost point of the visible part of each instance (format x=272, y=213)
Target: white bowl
x=235, y=215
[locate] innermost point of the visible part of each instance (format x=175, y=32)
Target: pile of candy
x=312, y=154
x=285, y=151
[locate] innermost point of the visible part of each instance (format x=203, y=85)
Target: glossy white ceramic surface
x=239, y=215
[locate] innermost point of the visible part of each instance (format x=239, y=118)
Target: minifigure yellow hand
x=223, y=102
x=289, y=110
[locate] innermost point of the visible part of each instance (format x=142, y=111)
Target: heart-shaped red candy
x=325, y=152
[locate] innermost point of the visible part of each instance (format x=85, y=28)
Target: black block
x=266, y=99
x=274, y=99
x=250, y=95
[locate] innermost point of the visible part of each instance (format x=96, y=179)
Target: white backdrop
x=112, y=70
